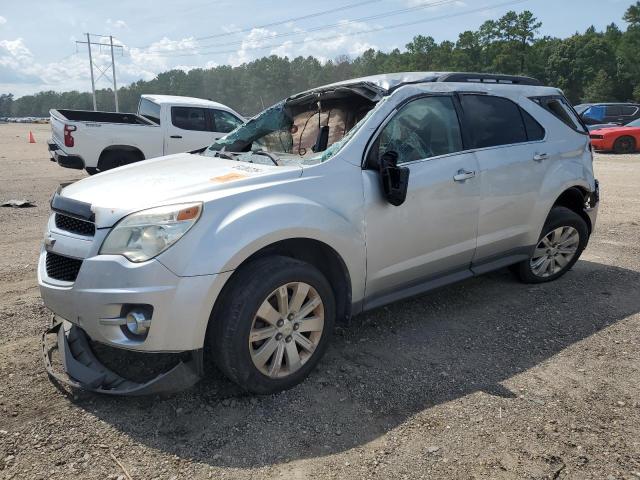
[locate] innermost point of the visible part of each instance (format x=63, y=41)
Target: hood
x=615, y=130
x=183, y=177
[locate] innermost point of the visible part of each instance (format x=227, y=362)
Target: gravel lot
x=489, y=378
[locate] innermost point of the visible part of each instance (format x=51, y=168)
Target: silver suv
x=332, y=202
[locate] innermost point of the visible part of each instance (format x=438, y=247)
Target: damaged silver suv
x=333, y=202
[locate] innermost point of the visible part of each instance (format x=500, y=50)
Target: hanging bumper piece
x=84, y=371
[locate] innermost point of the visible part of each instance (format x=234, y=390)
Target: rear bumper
x=64, y=160
x=591, y=205
x=86, y=372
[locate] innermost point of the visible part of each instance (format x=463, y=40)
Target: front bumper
x=601, y=145
x=106, y=285
x=84, y=370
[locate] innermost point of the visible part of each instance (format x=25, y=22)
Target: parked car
x=600, y=126
x=332, y=202
x=600, y=113
x=164, y=124
x=625, y=139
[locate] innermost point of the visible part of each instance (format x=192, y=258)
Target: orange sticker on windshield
x=229, y=177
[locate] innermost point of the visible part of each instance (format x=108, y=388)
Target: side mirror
x=395, y=180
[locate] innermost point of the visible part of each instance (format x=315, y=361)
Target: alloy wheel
x=555, y=251
x=286, y=329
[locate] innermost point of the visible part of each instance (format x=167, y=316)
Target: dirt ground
x=489, y=378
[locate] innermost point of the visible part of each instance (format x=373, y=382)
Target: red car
x=625, y=139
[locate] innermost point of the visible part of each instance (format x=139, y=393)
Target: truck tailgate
x=57, y=128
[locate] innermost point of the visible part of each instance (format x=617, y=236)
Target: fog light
x=137, y=322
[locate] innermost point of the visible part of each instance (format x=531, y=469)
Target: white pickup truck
x=164, y=124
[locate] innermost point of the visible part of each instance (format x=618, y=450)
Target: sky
x=38, y=50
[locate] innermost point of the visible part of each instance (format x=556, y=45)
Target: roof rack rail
x=489, y=78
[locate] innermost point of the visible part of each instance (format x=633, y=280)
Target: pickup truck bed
x=105, y=117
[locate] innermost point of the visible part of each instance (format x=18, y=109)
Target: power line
x=331, y=37
x=438, y=3
x=282, y=22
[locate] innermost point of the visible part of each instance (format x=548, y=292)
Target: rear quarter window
x=562, y=110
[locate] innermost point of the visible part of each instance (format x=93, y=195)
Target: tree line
x=589, y=67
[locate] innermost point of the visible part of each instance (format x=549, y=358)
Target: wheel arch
x=120, y=148
x=315, y=252
x=574, y=199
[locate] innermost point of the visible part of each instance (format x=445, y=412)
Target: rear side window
x=225, y=122
x=629, y=110
x=535, y=131
x=614, y=110
x=149, y=110
x=561, y=109
x=189, y=118
x=494, y=121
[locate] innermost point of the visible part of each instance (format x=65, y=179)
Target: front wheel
x=564, y=236
x=624, y=145
x=273, y=325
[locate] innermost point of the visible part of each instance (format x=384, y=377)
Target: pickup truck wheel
x=274, y=324
x=563, y=238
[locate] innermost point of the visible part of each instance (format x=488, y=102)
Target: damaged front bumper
x=84, y=371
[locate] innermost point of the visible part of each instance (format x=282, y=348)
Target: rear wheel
x=274, y=324
x=624, y=145
x=563, y=238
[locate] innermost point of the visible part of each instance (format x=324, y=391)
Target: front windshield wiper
x=274, y=158
x=225, y=155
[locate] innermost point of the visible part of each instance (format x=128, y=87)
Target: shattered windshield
x=297, y=132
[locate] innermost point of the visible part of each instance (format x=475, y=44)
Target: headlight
x=144, y=235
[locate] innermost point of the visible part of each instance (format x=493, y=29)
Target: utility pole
x=103, y=71
x=113, y=71
x=93, y=82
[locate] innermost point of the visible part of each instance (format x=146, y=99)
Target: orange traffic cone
x=31, y=139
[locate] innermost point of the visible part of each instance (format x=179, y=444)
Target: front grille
x=75, y=225
x=62, y=268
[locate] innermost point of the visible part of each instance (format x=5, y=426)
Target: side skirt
x=476, y=268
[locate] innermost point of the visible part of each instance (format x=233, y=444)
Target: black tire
x=92, y=170
x=558, y=217
x=624, y=145
x=115, y=159
x=231, y=322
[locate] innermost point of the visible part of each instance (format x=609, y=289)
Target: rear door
x=513, y=160
x=188, y=128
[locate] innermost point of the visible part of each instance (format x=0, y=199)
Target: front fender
x=252, y=225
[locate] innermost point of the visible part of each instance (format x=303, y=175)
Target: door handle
x=539, y=157
x=463, y=175
x=176, y=136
